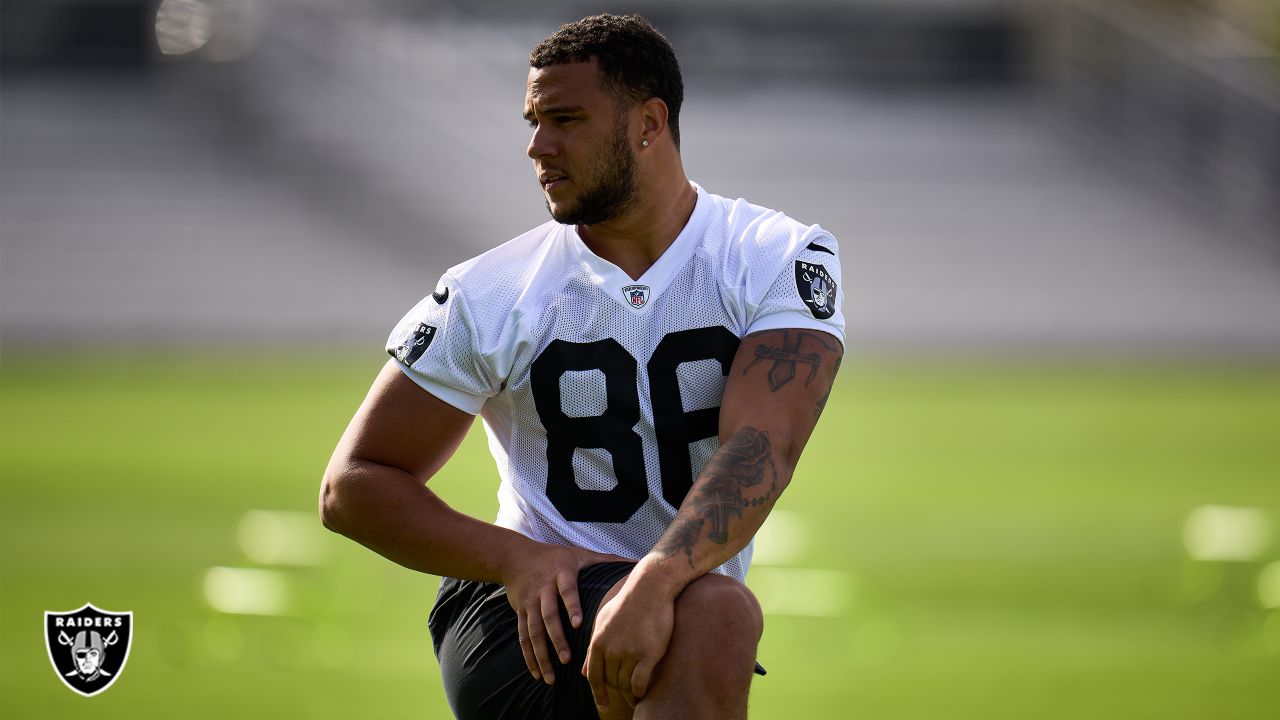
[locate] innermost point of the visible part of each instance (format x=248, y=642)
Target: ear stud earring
x=644, y=143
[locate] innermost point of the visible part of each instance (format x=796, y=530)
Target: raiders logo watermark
x=636, y=295
x=412, y=347
x=817, y=289
x=88, y=647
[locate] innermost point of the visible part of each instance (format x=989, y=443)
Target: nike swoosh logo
x=440, y=297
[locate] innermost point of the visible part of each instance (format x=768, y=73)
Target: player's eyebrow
x=555, y=110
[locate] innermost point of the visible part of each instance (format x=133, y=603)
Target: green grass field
x=959, y=542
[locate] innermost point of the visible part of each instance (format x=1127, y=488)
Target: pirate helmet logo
x=88, y=647
x=414, y=344
x=816, y=288
x=818, y=292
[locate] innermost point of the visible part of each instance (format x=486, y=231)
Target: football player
x=648, y=365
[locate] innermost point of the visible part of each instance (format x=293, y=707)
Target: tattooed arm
x=776, y=390
x=777, y=386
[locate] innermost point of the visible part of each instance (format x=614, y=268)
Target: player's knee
x=725, y=608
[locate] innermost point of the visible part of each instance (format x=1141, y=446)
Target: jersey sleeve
x=806, y=291
x=436, y=346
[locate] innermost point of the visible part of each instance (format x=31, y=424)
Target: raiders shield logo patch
x=412, y=347
x=817, y=289
x=636, y=295
x=88, y=647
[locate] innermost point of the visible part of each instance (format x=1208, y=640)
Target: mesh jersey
x=599, y=393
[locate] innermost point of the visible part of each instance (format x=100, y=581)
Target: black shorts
x=473, y=629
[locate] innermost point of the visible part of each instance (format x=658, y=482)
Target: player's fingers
x=640, y=678
x=538, y=639
x=622, y=682
x=526, y=648
x=555, y=629
x=611, y=673
x=595, y=675
x=567, y=583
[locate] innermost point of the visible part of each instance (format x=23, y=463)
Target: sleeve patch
x=816, y=288
x=413, y=346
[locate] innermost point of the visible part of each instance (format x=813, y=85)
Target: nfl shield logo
x=637, y=295
x=88, y=647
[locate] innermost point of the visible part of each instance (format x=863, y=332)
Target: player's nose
x=540, y=144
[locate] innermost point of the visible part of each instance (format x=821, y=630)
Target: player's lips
x=551, y=180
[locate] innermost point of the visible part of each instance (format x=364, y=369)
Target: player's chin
x=562, y=212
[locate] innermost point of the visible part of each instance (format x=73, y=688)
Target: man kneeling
x=648, y=364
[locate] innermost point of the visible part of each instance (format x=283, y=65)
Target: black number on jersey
x=674, y=427
x=611, y=431
x=615, y=429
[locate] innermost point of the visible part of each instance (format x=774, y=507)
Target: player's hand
x=631, y=634
x=536, y=585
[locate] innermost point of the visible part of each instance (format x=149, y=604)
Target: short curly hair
x=637, y=61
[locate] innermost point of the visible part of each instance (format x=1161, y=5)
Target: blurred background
x=1048, y=480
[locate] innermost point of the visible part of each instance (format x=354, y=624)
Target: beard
x=614, y=189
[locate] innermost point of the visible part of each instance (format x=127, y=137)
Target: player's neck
x=636, y=240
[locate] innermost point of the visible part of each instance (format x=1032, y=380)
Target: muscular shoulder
x=493, y=283
x=755, y=243
x=496, y=275
x=457, y=341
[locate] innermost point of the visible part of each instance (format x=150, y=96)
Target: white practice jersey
x=600, y=394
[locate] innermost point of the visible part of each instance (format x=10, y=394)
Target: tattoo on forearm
x=741, y=475
x=682, y=537
x=789, y=355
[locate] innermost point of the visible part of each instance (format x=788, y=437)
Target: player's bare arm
x=777, y=387
x=761, y=440
x=374, y=492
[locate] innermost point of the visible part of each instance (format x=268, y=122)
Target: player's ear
x=653, y=115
